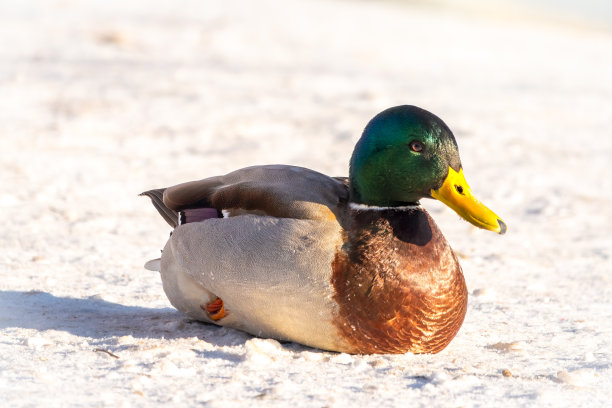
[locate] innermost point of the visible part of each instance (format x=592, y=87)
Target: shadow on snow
x=97, y=318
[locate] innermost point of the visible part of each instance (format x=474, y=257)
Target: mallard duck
x=351, y=265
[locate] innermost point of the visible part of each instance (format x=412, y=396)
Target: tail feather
x=156, y=197
x=153, y=265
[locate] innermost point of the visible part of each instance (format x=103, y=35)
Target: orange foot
x=215, y=309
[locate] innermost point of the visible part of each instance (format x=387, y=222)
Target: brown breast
x=398, y=284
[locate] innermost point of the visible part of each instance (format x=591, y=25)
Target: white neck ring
x=365, y=207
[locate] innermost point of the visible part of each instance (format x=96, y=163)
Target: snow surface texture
x=102, y=100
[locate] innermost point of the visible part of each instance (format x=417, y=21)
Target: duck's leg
x=215, y=309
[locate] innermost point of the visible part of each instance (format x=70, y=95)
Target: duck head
x=407, y=153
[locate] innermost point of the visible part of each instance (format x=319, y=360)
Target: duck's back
x=275, y=190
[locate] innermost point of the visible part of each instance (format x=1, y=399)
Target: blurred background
x=588, y=14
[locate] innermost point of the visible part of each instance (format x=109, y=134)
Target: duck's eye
x=459, y=189
x=416, y=146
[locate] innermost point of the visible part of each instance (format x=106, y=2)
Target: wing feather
x=275, y=190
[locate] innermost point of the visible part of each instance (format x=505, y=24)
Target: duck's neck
x=380, y=197
x=403, y=226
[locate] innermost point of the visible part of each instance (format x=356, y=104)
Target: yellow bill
x=456, y=193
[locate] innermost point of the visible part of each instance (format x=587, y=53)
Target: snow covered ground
x=101, y=100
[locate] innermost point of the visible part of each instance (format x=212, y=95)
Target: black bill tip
x=502, y=227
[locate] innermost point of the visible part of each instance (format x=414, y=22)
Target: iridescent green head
x=407, y=153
